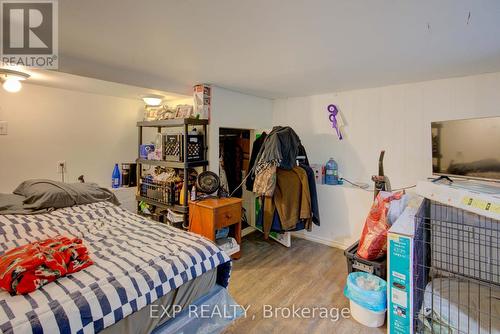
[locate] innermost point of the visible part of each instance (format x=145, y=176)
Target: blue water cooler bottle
x=331, y=172
x=115, y=177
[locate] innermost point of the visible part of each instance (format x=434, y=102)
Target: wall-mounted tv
x=468, y=148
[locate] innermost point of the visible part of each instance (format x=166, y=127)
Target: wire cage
x=456, y=271
x=162, y=192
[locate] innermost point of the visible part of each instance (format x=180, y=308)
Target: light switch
x=3, y=127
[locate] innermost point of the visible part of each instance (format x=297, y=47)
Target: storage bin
x=162, y=192
x=365, y=316
x=174, y=148
x=355, y=263
x=367, y=295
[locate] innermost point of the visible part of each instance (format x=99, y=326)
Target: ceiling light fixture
x=152, y=100
x=12, y=79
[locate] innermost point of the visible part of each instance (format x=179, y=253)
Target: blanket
x=459, y=306
x=26, y=268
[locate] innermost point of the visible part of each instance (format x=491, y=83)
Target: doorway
x=235, y=146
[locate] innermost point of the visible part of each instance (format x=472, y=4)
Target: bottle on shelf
x=193, y=193
x=158, y=152
x=182, y=198
x=115, y=177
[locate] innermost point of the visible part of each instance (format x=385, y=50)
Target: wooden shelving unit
x=185, y=165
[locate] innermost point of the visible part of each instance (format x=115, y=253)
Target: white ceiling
x=275, y=48
x=89, y=85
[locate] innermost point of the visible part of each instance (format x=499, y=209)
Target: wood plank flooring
x=306, y=275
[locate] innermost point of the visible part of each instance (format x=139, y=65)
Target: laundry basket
x=367, y=295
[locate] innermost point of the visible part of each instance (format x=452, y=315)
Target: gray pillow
x=42, y=194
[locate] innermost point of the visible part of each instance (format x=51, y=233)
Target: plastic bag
x=210, y=314
x=373, y=242
x=367, y=290
x=396, y=208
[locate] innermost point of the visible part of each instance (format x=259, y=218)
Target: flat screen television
x=467, y=148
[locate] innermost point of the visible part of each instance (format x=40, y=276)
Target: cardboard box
x=202, y=95
x=400, y=271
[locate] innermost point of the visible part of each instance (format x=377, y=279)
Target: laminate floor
x=271, y=279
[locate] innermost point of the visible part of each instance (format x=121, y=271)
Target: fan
x=207, y=182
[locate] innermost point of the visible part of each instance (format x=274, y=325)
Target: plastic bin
x=174, y=148
x=160, y=191
x=367, y=295
x=365, y=316
x=355, y=263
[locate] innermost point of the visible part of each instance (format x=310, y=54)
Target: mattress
x=141, y=322
x=136, y=263
x=454, y=306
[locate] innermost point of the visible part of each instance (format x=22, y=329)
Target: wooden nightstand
x=207, y=216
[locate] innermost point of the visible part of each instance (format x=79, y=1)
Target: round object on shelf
x=207, y=182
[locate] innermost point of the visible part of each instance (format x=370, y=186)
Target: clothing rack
x=285, y=237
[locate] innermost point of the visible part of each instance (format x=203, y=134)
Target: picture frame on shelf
x=184, y=111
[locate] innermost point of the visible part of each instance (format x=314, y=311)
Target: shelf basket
x=162, y=192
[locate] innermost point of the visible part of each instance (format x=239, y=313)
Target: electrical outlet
x=61, y=166
x=3, y=128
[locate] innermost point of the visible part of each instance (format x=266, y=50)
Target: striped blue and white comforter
x=136, y=261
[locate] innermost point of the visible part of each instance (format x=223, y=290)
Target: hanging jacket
x=257, y=145
x=312, y=191
x=291, y=199
x=280, y=149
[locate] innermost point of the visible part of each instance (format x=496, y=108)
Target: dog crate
x=456, y=271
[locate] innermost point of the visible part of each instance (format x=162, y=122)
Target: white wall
x=90, y=132
x=235, y=110
x=394, y=118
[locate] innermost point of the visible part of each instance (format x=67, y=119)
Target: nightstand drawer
x=227, y=215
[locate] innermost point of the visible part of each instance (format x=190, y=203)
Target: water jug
x=331, y=172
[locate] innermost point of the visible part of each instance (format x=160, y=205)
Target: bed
x=137, y=262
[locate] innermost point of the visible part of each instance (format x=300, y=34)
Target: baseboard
x=327, y=242
x=307, y=236
x=247, y=231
